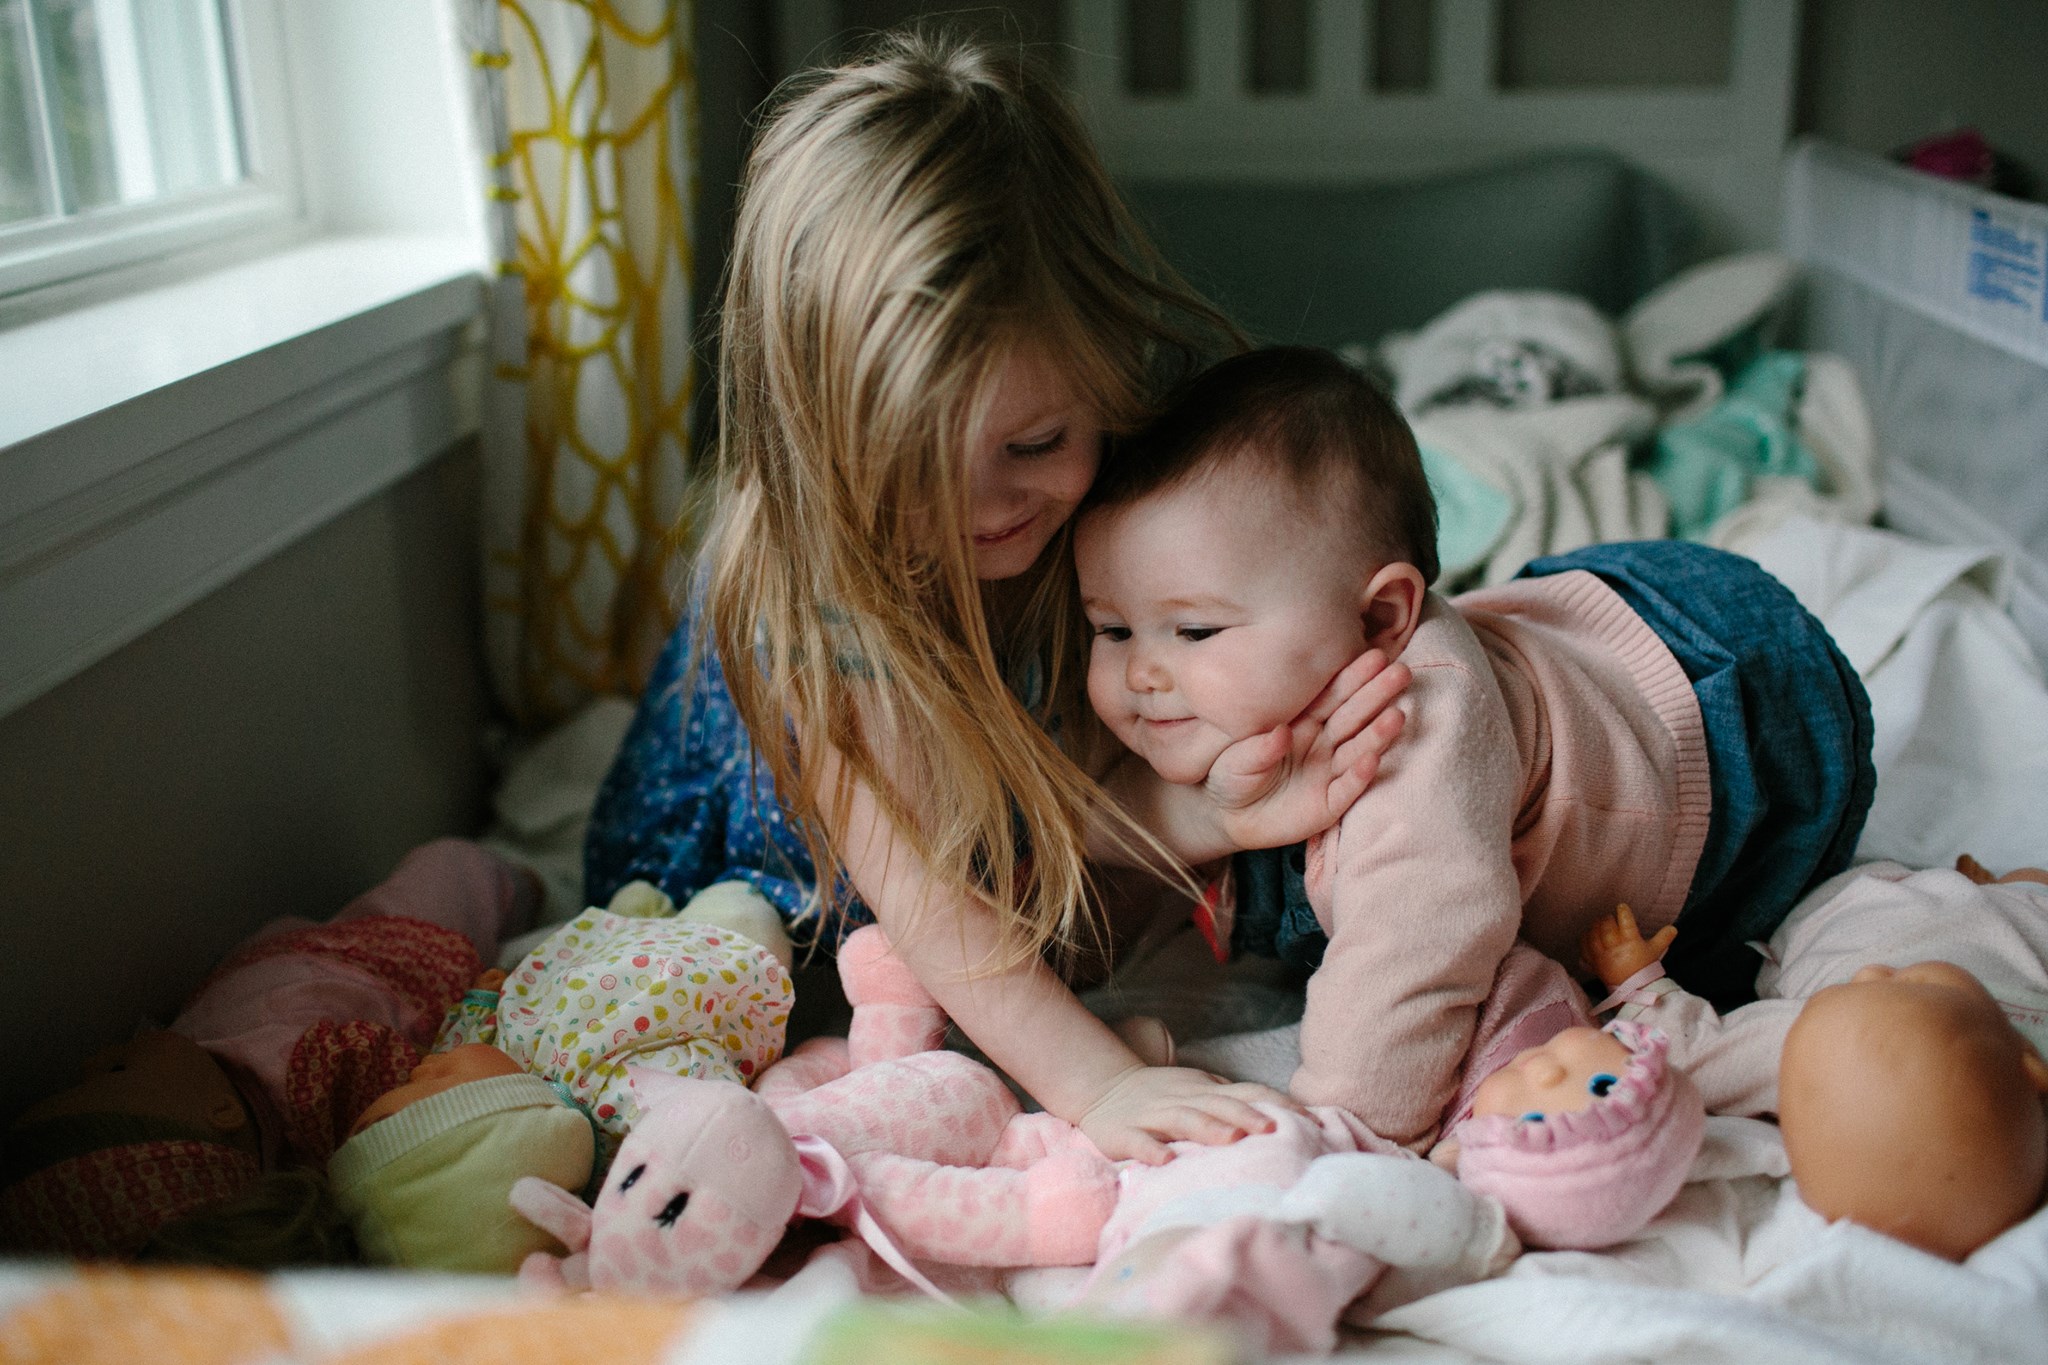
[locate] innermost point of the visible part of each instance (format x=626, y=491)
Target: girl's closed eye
x=1026, y=450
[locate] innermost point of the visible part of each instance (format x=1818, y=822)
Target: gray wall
x=1878, y=74
x=271, y=750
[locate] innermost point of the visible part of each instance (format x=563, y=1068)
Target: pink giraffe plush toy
x=925, y=1153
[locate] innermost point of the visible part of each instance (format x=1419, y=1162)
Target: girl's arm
x=1024, y=1017
x=1267, y=790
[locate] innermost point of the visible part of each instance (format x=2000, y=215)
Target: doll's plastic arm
x=1616, y=950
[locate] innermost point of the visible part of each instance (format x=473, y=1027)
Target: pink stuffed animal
x=925, y=1153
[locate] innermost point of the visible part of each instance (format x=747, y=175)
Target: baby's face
x=1562, y=1076
x=1220, y=609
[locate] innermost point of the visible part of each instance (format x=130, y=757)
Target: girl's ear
x=1393, y=607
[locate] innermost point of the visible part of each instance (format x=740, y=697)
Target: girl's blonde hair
x=907, y=222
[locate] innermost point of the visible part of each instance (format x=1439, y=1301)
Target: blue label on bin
x=2006, y=260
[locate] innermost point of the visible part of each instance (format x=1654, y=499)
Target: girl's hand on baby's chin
x=1147, y=1107
x=1298, y=779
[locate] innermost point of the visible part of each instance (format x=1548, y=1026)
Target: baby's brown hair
x=1306, y=410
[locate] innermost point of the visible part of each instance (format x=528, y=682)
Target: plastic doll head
x=439, y=1071
x=1586, y=1138
x=1911, y=1105
x=1562, y=1076
x=153, y=1130
x=426, y=1185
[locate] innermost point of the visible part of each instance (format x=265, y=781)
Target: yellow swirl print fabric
x=591, y=106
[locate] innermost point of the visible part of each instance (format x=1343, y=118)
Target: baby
x=1615, y=726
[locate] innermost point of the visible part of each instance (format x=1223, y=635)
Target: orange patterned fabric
x=336, y=1069
x=592, y=1331
x=122, y=1317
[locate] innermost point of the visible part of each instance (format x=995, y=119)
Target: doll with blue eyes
x=1583, y=1139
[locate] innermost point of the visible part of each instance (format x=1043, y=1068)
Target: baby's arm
x=1422, y=902
x=1733, y=1061
x=1023, y=1017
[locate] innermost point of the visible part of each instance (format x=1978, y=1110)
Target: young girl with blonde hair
x=935, y=310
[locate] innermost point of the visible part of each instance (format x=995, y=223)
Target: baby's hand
x=1298, y=779
x=1149, y=1106
x=1616, y=950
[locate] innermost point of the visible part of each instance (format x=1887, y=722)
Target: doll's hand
x=1147, y=1107
x=1298, y=779
x=490, y=980
x=1616, y=950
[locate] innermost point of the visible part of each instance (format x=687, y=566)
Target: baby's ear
x=1392, y=607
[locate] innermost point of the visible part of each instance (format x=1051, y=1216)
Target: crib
x=1934, y=294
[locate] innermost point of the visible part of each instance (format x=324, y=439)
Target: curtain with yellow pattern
x=591, y=109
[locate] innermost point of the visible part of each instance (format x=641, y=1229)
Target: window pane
x=188, y=93
x=23, y=192
x=136, y=96
x=75, y=98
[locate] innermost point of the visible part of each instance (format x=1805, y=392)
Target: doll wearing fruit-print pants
x=1880, y=914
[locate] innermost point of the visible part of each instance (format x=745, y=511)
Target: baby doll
x=1909, y=1097
x=1880, y=914
x=425, y=1174
x=1584, y=1139
x=266, y=1067
x=1911, y=1105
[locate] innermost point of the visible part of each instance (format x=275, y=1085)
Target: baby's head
x=426, y=1174
x=1585, y=1139
x=1271, y=526
x=1911, y=1105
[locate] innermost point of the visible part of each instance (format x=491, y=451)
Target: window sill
x=154, y=446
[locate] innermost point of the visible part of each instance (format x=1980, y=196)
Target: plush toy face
x=700, y=1192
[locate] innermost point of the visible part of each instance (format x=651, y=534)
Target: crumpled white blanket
x=1542, y=467
x=1957, y=696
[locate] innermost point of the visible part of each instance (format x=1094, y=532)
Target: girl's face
x=1030, y=464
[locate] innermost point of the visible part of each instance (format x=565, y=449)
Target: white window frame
x=170, y=421
x=41, y=253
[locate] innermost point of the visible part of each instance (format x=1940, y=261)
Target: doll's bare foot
x=1616, y=950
